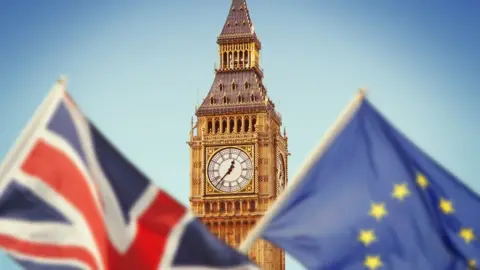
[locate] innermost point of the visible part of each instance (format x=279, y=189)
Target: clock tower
x=238, y=157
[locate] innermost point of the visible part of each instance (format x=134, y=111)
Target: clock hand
x=232, y=166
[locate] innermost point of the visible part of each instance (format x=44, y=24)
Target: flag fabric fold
x=70, y=200
x=373, y=200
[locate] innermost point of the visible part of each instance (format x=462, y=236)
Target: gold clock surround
x=249, y=189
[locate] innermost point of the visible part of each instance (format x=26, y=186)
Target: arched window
x=235, y=56
x=217, y=126
x=232, y=125
x=237, y=206
x=252, y=206
x=239, y=125
x=241, y=59
x=224, y=127
x=210, y=126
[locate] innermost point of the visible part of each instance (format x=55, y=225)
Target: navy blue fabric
x=320, y=224
x=120, y=172
x=18, y=202
x=62, y=124
x=198, y=247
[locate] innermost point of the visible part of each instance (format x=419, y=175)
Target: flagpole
x=59, y=85
x=325, y=141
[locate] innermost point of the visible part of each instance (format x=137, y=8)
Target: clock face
x=230, y=170
x=280, y=172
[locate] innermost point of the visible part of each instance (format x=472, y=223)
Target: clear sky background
x=138, y=69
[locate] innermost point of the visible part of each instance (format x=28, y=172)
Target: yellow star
x=378, y=210
x=373, y=262
x=472, y=264
x=422, y=181
x=467, y=235
x=367, y=237
x=400, y=191
x=446, y=206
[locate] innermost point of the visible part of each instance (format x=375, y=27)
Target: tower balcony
x=257, y=69
x=232, y=207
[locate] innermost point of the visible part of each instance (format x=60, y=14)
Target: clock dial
x=280, y=172
x=230, y=170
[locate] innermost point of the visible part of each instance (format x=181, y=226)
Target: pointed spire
x=238, y=21
x=62, y=78
x=363, y=91
x=63, y=81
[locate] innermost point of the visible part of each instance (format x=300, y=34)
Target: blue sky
x=138, y=70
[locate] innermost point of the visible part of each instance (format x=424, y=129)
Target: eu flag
x=371, y=199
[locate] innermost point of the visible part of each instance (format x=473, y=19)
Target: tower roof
x=238, y=86
x=237, y=92
x=238, y=23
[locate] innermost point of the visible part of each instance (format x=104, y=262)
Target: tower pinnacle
x=238, y=23
x=238, y=85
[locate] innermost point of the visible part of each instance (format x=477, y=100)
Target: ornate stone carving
x=249, y=123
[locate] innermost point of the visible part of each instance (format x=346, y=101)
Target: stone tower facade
x=238, y=154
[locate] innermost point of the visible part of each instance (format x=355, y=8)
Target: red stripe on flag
x=153, y=230
x=47, y=251
x=55, y=168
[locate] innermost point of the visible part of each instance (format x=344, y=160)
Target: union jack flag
x=70, y=200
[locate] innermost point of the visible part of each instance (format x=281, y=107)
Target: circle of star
x=422, y=181
x=378, y=211
x=400, y=191
x=373, y=262
x=446, y=206
x=367, y=237
x=472, y=264
x=467, y=235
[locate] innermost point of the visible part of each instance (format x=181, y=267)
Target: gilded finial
x=63, y=80
x=363, y=91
